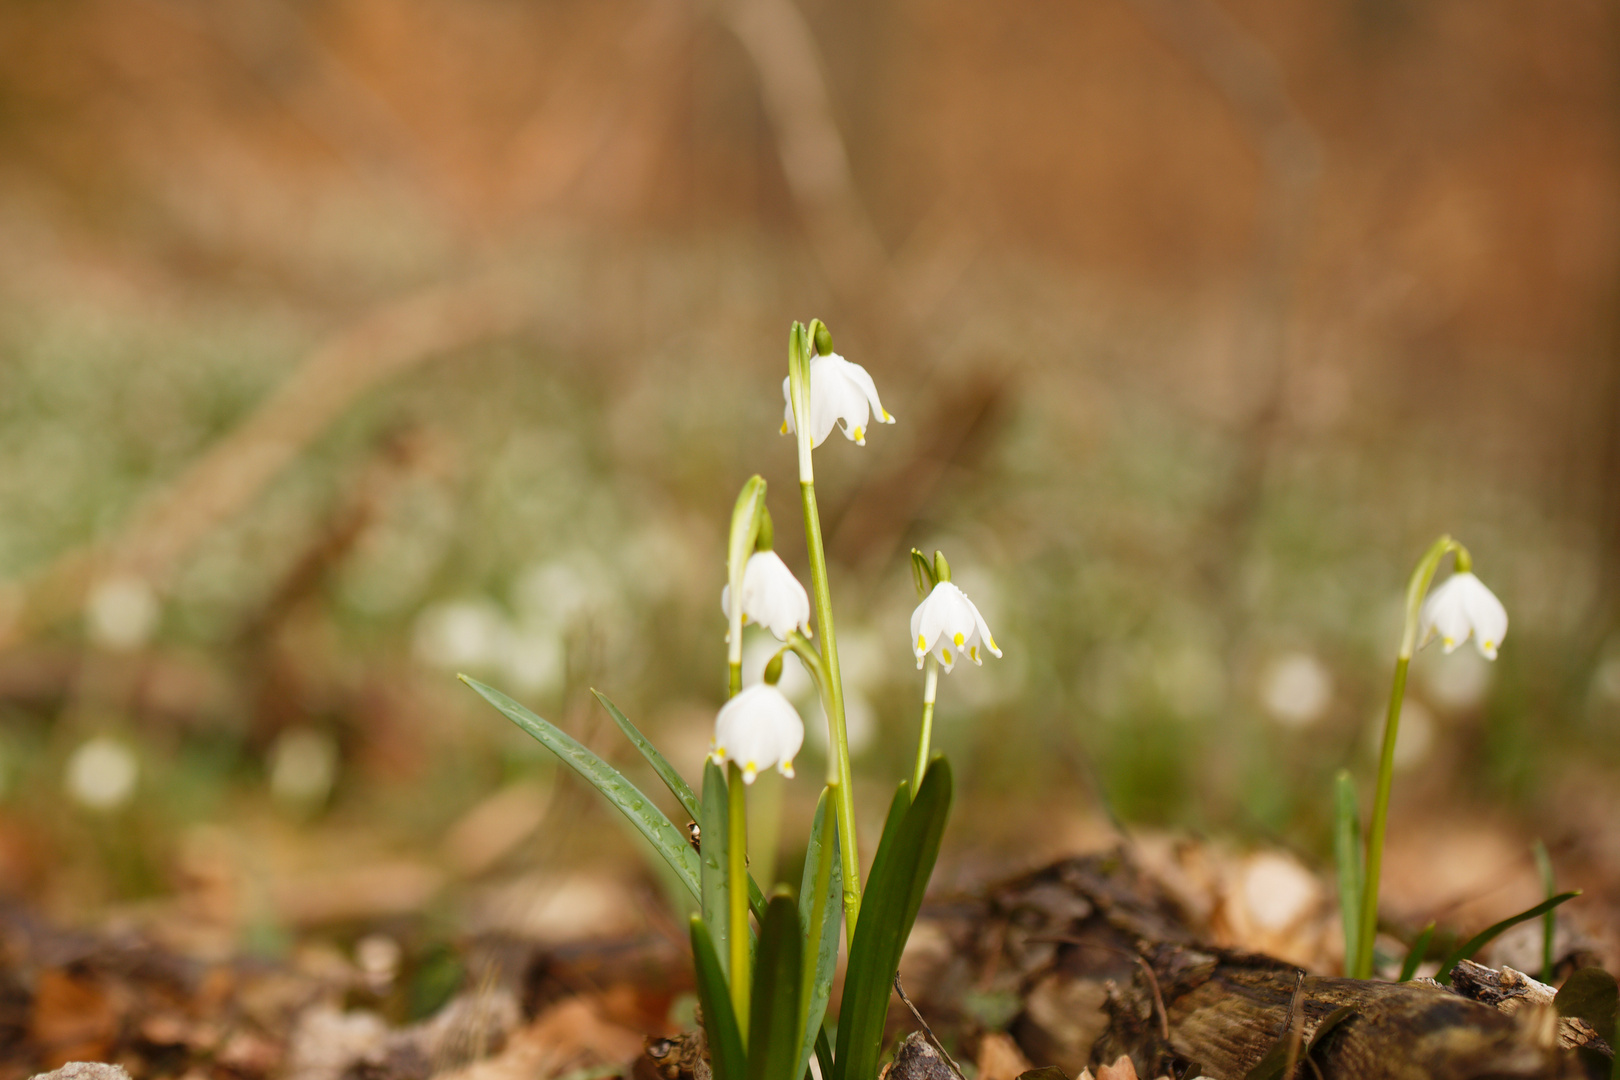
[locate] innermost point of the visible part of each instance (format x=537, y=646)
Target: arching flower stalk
x=1459, y=608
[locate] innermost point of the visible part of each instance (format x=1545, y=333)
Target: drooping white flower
x=771, y=596
x=1460, y=607
x=947, y=624
x=839, y=391
x=757, y=729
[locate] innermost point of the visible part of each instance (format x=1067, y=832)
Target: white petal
x=757, y=729
x=863, y=381
x=772, y=596
x=1487, y=616
x=983, y=628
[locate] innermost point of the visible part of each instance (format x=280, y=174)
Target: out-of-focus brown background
x=348, y=344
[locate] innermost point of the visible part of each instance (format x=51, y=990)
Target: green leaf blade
x=893, y=896
x=1467, y=949
x=820, y=935
x=1347, y=853
x=715, y=846
x=773, y=1041
x=726, y=1054
x=673, y=780
x=666, y=839
x=1414, y=955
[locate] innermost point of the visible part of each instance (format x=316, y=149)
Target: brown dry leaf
x=566, y=1037
x=74, y=1018
x=1000, y=1058
x=1122, y=1069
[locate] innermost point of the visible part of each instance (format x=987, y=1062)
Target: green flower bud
x=773, y=670
x=822, y=337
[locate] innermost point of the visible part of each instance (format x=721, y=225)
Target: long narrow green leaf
x=715, y=846
x=665, y=838
x=1468, y=948
x=1349, y=856
x=1549, y=921
x=893, y=896
x=824, y=1056
x=673, y=780
x=773, y=1011
x=820, y=935
x=1414, y=955
x=719, y=1019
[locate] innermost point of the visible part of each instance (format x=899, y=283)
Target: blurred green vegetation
x=1192, y=555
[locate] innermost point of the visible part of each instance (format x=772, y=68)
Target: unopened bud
x=823, y=338
x=773, y=670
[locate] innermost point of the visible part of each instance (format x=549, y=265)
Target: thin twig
x=1158, y=998
x=926, y=1029
x=1293, y=1026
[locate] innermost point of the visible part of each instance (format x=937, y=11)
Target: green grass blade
x=1348, y=855
x=665, y=838
x=1468, y=948
x=715, y=848
x=1549, y=921
x=1414, y=955
x=673, y=780
x=719, y=1019
x=893, y=896
x=773, y=1040
x=820, y=935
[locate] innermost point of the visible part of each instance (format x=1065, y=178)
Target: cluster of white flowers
x=759, y=727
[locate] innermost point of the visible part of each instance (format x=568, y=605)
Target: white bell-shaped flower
x=757, y=729
x=947, y=624
x=839, y=391
x=771, y=596
x=1463, y=606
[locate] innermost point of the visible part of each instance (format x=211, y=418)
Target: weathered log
x=1093, y=960
x=1103, y=963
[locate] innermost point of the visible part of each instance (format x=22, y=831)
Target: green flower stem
x=1416, y=589
x=930, y=686
x=838, y=742
x=737, y=882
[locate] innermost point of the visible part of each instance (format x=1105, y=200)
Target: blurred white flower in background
x=839, y=391
x=757, y=729
x=460, y=634
x=771, y=596
x=303, y=767
x=1413, y=741
x=947, y=620
x=122, y=612
x=101, y=773
x=1460, y=607
x=1459, y=684
x=1296, y=689
x=758, y=649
